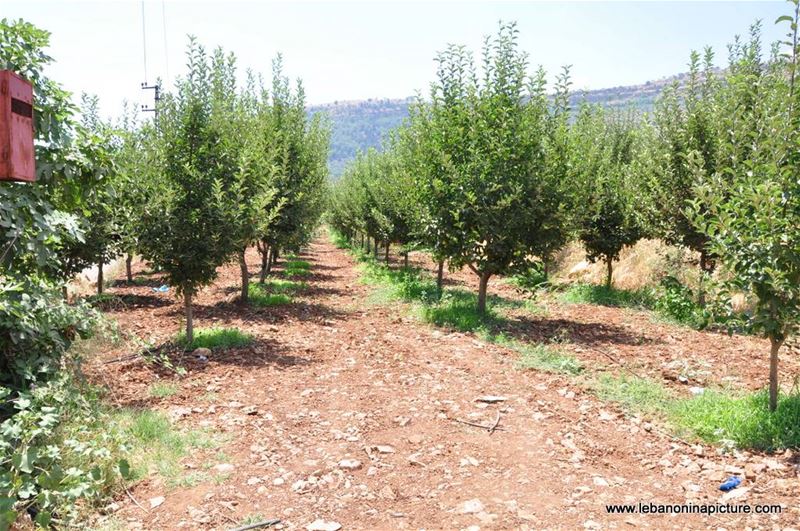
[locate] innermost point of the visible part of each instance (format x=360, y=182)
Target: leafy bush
x=216, y=338
x=594, y=294
x=36, y=328
x=56, y=449
x=533, y=279
x=676, y=301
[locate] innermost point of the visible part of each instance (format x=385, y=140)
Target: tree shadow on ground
x=544, y=329
x=300, y=310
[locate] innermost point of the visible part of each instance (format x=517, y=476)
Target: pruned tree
x=750, y=209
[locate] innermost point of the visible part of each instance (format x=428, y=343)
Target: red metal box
x=16, y=128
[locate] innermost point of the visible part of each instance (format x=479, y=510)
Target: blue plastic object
x=162, y=289
x=730, y=483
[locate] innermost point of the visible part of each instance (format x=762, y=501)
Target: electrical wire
x=144, y=43
x=164, y=24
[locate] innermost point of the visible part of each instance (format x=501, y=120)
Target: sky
x=361, y=50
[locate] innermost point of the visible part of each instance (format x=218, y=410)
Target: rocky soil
x=346, y=414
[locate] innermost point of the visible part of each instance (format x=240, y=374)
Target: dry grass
x=639, y=266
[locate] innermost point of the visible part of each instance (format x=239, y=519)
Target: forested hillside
x=359, y=125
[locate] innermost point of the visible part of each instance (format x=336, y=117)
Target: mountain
x=360, y=125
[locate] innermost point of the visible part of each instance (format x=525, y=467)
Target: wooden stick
x=128, y=492
x=496, y=422
x=263, y=523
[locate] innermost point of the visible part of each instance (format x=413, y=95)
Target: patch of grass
x=252, y=519
x=743, y=421
x=162, y=389
x=595, y=294
x=216, y=338
x=725, y=418
x=541, y=357
x=157, y=445
x=274, y=292
x=192, y=479
x=459, y=310
x=297, y=268
x=635, y=394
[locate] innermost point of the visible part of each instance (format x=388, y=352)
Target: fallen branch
x=494, y=427
x=139, y=505
x=263, y=523
x=496, y=422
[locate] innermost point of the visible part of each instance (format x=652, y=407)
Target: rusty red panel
x=17, y=161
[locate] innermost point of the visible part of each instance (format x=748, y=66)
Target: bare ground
x=350, y=412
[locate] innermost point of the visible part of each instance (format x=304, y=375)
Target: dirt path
x=345, y=412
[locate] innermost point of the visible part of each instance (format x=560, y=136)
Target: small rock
x=201, y=352
x=599, y=482
x=752, y=470
x=322, y=525
x=730, y=469
x=469, y=461
x=278, y=481
x=591, y=524
x=350, y=464
x=155, y=502
x=385, y=449
x=471, y=507
x=735, y=494
x=223, y=468
x=254, y=481
x=387, y=493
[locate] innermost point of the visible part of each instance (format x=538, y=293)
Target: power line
x=144, y=43
x=164, y=24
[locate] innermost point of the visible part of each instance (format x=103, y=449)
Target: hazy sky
x=360, y=50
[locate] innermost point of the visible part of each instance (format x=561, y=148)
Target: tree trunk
x=270, y=261
x=546, y=268
x=609, y=271
x=362, y=240
x=245, y=276
x=128, y=272
x=386, y=254
x=775, y=345
x=262, y=277
x=100, y=277
x=375, y=252
x=64, y=292
x=482, y=285
x=187, y=308
x=701, y=295
x=405, y=259
x=440, y=279
x=274, y=255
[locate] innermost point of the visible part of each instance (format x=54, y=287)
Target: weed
x=603, y=296
x=635, y=394
x=162, y=389
x=297, y=268
x=274, y=292
x=216, y=338
x=743, y=421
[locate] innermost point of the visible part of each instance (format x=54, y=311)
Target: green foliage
x=261, y=297
x=608, y=184
x=297, y=268
x=749, y=207
x=215, y=338
x=635, y=394
x=742, y=421
x=299, y=148
x=580, y=293
x=540, y=357
x=57, y=449
x=723, y=417
x=677, y=302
